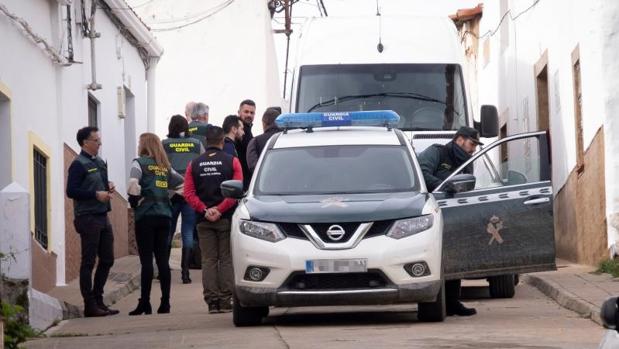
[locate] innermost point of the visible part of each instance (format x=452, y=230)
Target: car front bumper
x=410, y=293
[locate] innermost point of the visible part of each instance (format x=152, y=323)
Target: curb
x=72, y=311
x=565, y=298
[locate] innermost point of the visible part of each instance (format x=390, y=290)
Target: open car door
x=505, y=224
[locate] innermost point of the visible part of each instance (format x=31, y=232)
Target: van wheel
x=502, y=286
x=247, y=316
x=433, y=311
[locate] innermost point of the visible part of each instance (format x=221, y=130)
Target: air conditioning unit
x=122, y=102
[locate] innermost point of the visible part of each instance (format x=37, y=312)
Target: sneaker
x=458, y=308
x=213, y=307
x=225, y=305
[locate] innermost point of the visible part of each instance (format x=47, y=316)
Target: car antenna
x=380, y=47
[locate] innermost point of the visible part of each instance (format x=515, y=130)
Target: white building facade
x=553, y=65
x=54, y=80
x=211, y=59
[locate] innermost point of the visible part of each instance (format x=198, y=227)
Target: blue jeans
x=188, y=222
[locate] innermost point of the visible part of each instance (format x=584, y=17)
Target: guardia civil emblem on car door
x=494, y=227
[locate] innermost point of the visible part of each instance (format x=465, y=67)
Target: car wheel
x=247, y=316
x=433, y=311
x=502, y=286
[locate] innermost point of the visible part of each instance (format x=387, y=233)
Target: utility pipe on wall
x=92, y=35
x=151, y=93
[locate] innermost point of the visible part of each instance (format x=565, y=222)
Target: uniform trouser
x=151, y=235
x=452, y=292
x=188, y=222
x=217, y=273
x=97, y=240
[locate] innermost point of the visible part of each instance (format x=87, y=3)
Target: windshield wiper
x=408, y=95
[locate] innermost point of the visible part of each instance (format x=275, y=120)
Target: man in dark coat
x=256, y=145
x=247, y=112
x=91, y=191
x=437, y=162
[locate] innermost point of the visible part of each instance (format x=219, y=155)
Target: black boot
x=185, y=258
x=142, y=308
x=91, y=309
x=164, y=307
x=457, y=308
x=104, y=307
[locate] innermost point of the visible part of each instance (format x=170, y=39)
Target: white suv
x=336, y=216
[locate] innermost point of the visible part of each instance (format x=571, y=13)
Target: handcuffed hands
x=212, y=214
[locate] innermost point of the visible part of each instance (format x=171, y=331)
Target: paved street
x=530, y=320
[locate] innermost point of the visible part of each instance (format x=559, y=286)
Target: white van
x=411, y=65
x=414, y=66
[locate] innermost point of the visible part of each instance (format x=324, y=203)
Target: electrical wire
x=319, y=9
x=213, y=12
x=507, y=13
x=26, y=29
x=131, y=8
x=186, y=18
x=324, y=9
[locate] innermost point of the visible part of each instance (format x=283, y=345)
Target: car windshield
x=337, y=169
x=426, y=96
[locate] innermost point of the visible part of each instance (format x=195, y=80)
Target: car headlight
x=264, y=231
x=410, y=226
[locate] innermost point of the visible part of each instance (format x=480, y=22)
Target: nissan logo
x=335, y=232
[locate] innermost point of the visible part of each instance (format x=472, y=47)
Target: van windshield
x=426, y=96
x=336, y=169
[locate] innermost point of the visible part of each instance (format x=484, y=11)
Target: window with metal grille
x=40, y=197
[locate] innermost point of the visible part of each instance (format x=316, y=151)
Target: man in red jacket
x=203, y=177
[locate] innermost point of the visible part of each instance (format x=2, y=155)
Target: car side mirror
x=609, y=313
x=232, y=189
x=459, y=183
x=489, y=122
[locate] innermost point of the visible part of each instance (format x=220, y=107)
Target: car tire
x=502, y=286
x=433, y=311
x=247, y=316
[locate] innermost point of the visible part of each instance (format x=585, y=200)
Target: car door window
x=508, y=163
x=505, y=225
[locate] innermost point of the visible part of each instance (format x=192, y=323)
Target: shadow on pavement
x=343, y=318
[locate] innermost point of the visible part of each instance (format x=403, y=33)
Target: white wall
x=50, y=101
x=17, y=261
x=609, y=26
x=219, y=61
x=509, y=79
x=509, y=82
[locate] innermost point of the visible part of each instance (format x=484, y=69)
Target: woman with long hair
x=151, y=178
x=181, y=149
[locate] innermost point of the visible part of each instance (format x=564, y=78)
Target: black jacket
x=438, y=161
x=241, y=149
x=256, y=146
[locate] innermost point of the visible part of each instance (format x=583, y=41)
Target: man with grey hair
x=199, y=122
x=188, y=109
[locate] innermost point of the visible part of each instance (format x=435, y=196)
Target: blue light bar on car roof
x=385, y=118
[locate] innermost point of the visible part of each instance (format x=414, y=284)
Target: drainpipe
x=92, y=35
x=151, y=79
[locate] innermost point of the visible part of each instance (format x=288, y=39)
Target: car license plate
x=359, y=265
